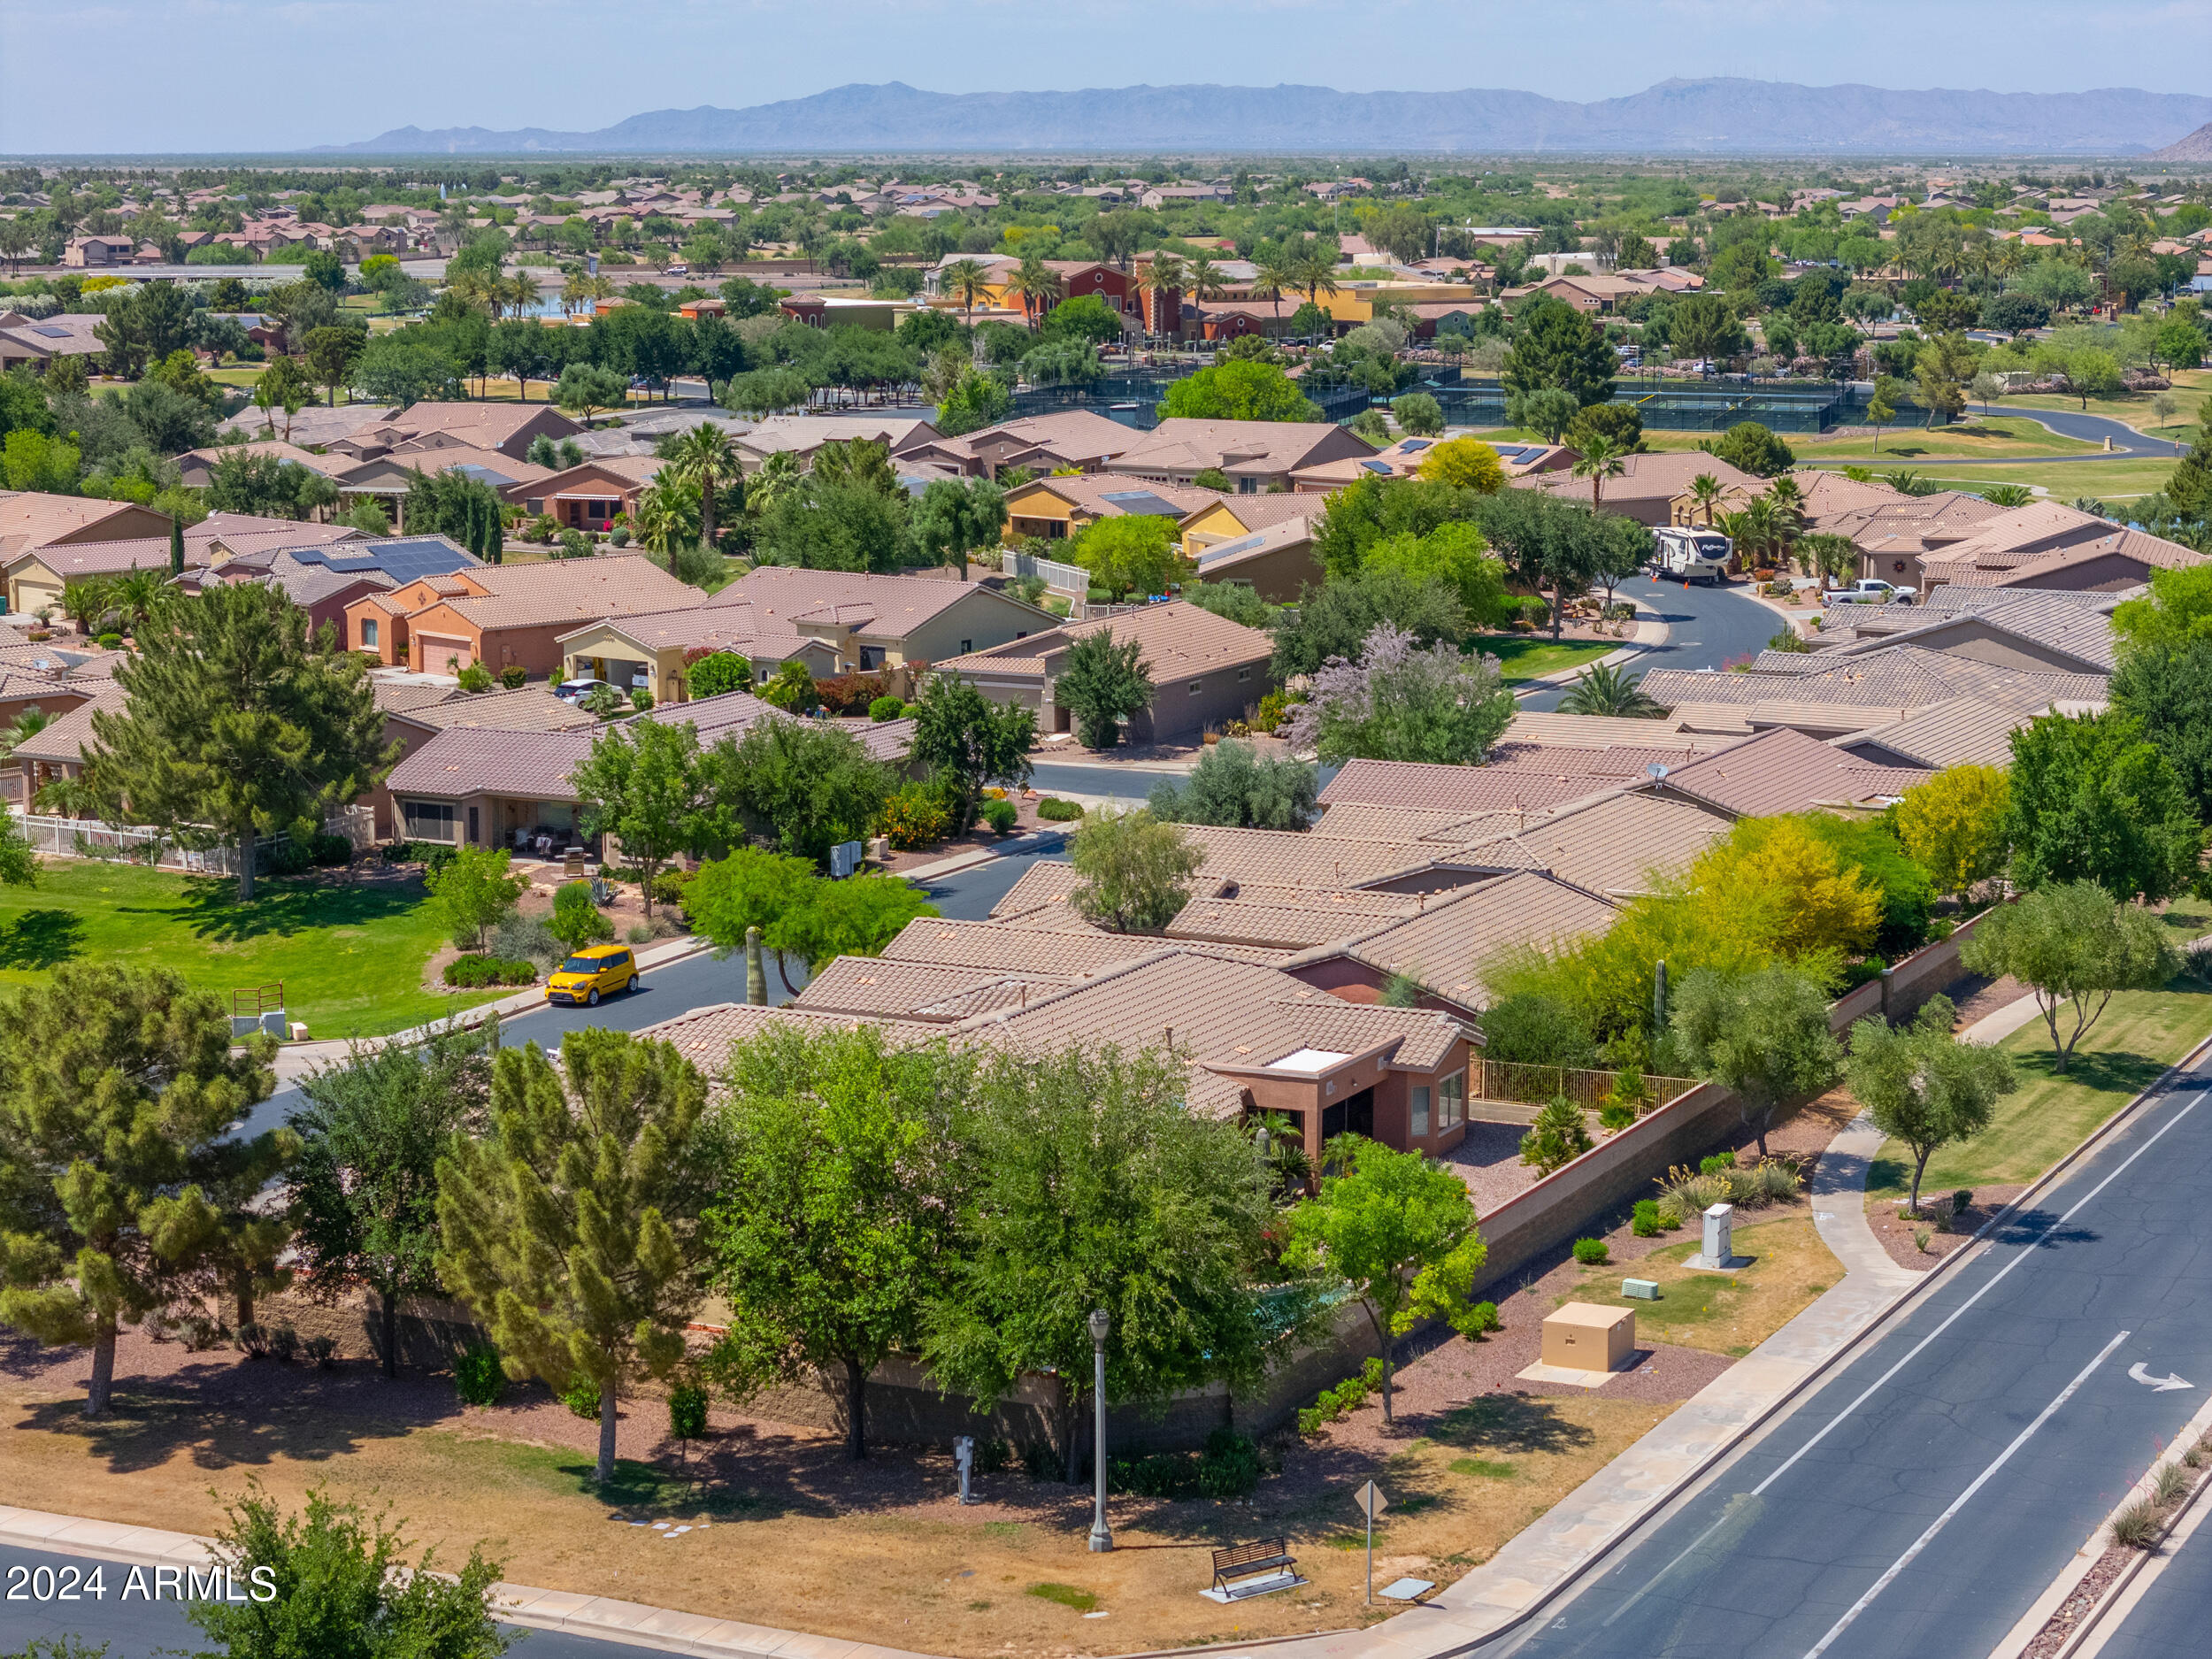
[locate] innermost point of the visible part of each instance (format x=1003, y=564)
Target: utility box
x=844, y=860
x=1583, y=1336
x=1640, y=1289
x=1720, y=1223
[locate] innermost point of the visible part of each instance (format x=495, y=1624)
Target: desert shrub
x=479, y=1378
x=581, y=1397
x=330, y=851
x=992, y=1456
x=1716, y=1163
x=1685, y=1193
x=1558, y=1136
x=1645, y=1221
x=1230, y=1465
x=1528, y=1029
x=886, y=708
x=1592, y=1252
x=474, y=973
x=914, y=817
x=520, y=938
x=1482, y=1319
x=284, y=1343
x=669, y=885
x=476, y=677
x=1002, y=816
x=1269, y=714
x=2169, y=1484
x=1052, y=809
x=289, y=857
x=199, y=1334
x=1615, y=1114
x=110, y=641
x=253, y=1341
x=513, y=676
x=1961, y=1200
x=323, y=1350
x=688, y=1411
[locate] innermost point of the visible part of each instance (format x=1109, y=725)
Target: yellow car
x=594, y=972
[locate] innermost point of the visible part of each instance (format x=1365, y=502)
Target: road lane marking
x=1959, y=1503
x=1700, y=1541
x=1959, y=1312
x=2160, y=1384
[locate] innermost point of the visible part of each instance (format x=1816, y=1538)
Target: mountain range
x=1675, y=117
x=2196, y=149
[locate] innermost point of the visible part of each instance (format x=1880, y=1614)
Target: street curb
x=1036, y=840
x=1627, y=653
x=1877, y=1326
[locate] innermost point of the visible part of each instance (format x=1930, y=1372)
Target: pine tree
x=117, y=1182
x=238, y=722
x=574, y=1227
x=176, y=545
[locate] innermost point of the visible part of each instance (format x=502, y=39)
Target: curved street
x=2127, y=442
x=1706, y=628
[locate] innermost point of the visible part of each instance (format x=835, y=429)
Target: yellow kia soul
x=591, y=973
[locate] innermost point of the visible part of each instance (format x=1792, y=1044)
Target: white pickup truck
x=1870, y=590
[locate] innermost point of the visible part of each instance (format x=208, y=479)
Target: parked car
x=577, y=690
x=1692, y=555
x=594, y=972
x=1870, y=590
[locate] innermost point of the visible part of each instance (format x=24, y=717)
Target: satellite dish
x=1654, y=772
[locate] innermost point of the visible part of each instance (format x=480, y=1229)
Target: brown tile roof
x=1612, y=845
x=1288, y=919
x=68, y=738
x=472, y=760
x=703, y=1035
x=1232, y=446
x=1897, y=676
x=30, y=517
x=1180, y=640
x=1464, y=789
x=921, y=990
x=582, y=590
x=746, y=629
x=525, y=708
x=1458, y=938
x=1657, y=475
x=1968, y=730
x=888, y=606
x=998, y=947
x=1106, y=495
x=1783, y=770
x=1048, y=881
x=486, y=426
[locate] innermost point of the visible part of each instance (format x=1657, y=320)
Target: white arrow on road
x=2160, y=1384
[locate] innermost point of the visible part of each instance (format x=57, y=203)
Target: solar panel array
x=404, y=558
x=1143, y=502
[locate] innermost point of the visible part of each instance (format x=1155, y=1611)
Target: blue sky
x=171, y=75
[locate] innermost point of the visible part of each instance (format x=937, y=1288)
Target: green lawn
x=2140, y=1034
x=350, y=957
x=1524, y=657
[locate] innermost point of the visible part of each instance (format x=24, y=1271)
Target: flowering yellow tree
x=1466, y=463
x=1953, y=825
x=1777, y=868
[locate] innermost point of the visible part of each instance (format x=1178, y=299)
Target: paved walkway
x=1604, y=1507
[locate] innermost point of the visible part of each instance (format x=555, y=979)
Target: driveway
x=1706, y=626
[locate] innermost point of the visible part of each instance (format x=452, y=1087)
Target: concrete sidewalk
x=629, y=1623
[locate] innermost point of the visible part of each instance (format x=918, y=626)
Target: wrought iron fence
x=1505, y=1080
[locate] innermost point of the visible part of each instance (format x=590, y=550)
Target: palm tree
x=1313, y=268
x=704, y=458
x=135, y=593
x=1272, y=274
x=1706, y=491
x=67, y=797
x=1786, y=501
x=1832, y=556
x=1037, y=284
x=665, y=517
x=1162, y=274
x=1601, y=458
x=30, y=723
x=1612, y=691
x=777, y=477
x=966, y=281
x=83, y=600
x=1204, y=279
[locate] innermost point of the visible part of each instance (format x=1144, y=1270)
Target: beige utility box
x=1582, y=1336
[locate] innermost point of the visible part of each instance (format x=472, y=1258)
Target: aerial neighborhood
x=754, y=904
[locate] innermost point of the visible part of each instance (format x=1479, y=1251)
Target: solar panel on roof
x=1213, y=555
x=1414, y=446
x=1376, y=466
x=51, y=332
x=1143, y=502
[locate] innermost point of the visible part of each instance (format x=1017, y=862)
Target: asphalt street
x=1920, y=1500
x=139, y=1629
x=2068, y=423
x=1706, y=627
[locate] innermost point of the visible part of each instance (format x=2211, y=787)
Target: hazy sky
x=184, y=75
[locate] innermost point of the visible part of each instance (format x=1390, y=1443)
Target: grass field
x=1997, y=435
x=1524, y=657
x=350, y=957
x=1723, y=1313
x=2110, y=481
x=2140, y=1034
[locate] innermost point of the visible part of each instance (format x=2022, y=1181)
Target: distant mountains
x=1675, y=117
x=2196, y=147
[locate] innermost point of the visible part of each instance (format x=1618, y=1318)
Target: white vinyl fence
x=1061, y=578
x=89, y=838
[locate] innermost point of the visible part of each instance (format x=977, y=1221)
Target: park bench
x=1245, y=1570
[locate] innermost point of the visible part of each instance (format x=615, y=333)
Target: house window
x=1197, y=686
x=1420, y=1110
x=428, y=820
x=368, y=633
x=966, y=646
x=1451, y=1100
x=1243, y=674
x=1248, y=487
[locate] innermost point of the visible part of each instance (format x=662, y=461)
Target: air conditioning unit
x=844, y=860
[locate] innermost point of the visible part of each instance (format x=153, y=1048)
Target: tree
x=791, y=688
x=1335, y=622
x=967, y=741
x=452, y=503
x=2074, y=946
x=857, y=917
x=1399, y=703
x=1549, y=542
x=1419, y=413
x=1953, y=825
x=236, y=722
x=365, y=1190
x=1881, y=408
x=475, y=892
x=577, y=921
x=342, y=1588
x=1761, y=1035
x=1617, y=422
x=1750, y=447
x=749, y=888
x=1131, y=553
x=1095, y=1186
x=1558, y=347
x=584, y=389
x=331, y=354
x=572, y=1228
x=955, y=518
x=2093, y=799
x=720, y=673
x=1134, y=870
x=801, y=786
x=976, y=399
x=1102, y=683
x=518, y=349
x=1245, y=390
x=831, y=522
x=704, y=459
x=1546, y=410
x=1231, y=785
x=847, y=1154
x=1613, y=691
x=1454, y=554
x=404, y=368
x=1601, y=459
x=2092, y=371
x=645, y=783
x=966, y=281
x=1924, y=1086
x=1463, y=463
x=1806, y=902
x=2176, y=611
x=1704, y=328
x=1401, y=1231
x=118, y=1093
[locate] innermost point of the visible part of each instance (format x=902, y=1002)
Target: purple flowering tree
x=1401, y=703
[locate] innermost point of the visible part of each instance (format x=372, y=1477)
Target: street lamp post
x=1102, y=1535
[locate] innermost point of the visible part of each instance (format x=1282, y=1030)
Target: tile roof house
x=1079, y=438
x=1825, y=694
x=1278, y=563
x=2045, y=544
x=323, y=579
x=508, y=615
x=1058, y=509
x=589, y=496
x=1653, y=488
x=1257, y=455
x=873, y=623
x=37, y=570
x=33, y=343
x=507, y=428
x=1784, y=771
x=1205, y=669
